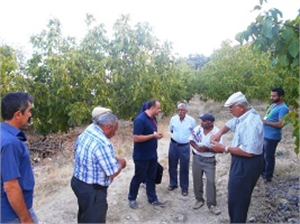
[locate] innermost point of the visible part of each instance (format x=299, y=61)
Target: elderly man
x=181, y=127
x=204, y=162
x=246, y=154
x=95, y=166
x=17, y=180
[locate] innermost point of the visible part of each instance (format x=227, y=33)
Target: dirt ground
x=277, y=201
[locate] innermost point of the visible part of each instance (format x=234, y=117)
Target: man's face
x=156, y=109
x=206, y=124
x=111, y=130
x=235, y=110
x=24, y=119
x=275, y=98
x=181, y=112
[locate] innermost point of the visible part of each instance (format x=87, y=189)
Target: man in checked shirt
x=95, y=166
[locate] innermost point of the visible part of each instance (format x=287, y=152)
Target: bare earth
x=55, y=202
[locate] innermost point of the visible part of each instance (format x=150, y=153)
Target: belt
x=95, y=186
x=179, y=144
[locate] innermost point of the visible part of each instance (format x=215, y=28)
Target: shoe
x=267, y=179
x=198, y=204
x=158, y=203
x=184, y=192
x=171, y=188
x=214, y=210
x=133, y=204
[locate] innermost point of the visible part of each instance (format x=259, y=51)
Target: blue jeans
x=269, y=157
x=182, y=154
x=144, y=170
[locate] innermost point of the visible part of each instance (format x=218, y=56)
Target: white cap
x=237, y=97
x=100, y=110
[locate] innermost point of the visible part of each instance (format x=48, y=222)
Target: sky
x=193, y=26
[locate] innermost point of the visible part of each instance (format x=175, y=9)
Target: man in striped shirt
x=246, y=154
x=95, y=166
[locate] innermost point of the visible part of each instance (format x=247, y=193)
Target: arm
x=143, y=138
x=122, y=165
x=200, y=148
x=16, y=199
x=219, y=148
x=217, y=136
x=277, y=124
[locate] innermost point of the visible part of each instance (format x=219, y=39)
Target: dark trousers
x=243, y=176
x=270, y=146
x=91, y=199
x=144, y=170
x=179, y=153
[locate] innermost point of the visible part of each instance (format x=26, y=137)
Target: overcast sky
x=194, y=26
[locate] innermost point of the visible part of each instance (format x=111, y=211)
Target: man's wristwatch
x=226, y=149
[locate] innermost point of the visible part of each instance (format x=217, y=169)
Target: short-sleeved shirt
x=144, y=125
x=15, y=164
x=181, y=130
x=202, y=139
x=274, y=114
x=248, y=132
x=95, y=159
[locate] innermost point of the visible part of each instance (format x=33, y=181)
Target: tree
x=281, y=40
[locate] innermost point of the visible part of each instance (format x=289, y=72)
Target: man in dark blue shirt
x=17, y=180
x=145, y=137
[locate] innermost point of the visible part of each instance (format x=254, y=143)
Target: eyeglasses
x=232, y=106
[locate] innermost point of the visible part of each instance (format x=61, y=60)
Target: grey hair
x=105, y=119
x=184, y=105
x=245, y=104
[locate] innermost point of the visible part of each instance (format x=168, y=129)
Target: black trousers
x=243, y=176
x=91, y=199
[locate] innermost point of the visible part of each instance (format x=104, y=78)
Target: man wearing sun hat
x=95, y=166
x=246, y=154
x=204, y=162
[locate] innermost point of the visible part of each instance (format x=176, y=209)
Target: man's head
x=182, y=110
x=207, y=121
x=277, y=94
x=237, y=104
x=16, y=108
x=153, y=107
x=108, y=122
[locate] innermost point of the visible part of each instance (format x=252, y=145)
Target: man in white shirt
x=204, y=161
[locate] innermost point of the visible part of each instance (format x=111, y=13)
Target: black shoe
x=171, y=188
x=267, y=179
x=184, y=192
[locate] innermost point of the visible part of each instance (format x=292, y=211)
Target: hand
x=217, y=147
x=158, y=135
x=215, y=138
x=122, y=162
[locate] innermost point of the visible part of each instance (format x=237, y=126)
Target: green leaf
x=267, y=29
x=288, y=35
x=293, y=48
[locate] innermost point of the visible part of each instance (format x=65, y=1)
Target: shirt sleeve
x=10, y=161
x=282, y=112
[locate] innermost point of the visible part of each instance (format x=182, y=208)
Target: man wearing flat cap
x=95, y=166
x=204, y=162
x=246, y=154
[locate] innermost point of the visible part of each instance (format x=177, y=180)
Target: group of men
x=95, y=163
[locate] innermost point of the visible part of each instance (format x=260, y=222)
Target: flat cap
x=237, y=97
x=97, y=111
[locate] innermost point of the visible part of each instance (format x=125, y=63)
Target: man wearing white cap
x=246, y=154
x=95, y=166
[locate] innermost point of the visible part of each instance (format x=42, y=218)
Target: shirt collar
x=14, y=131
